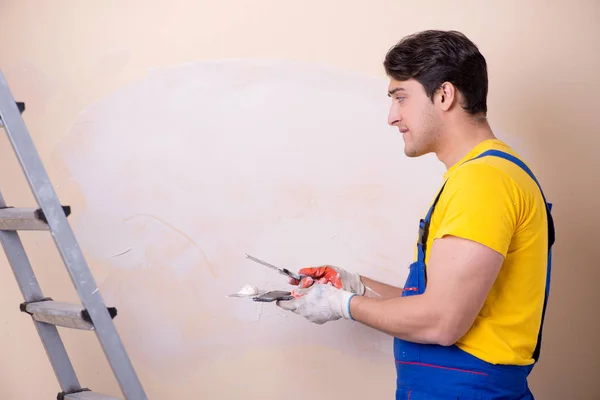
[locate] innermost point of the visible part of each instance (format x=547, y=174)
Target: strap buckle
x=423, y=232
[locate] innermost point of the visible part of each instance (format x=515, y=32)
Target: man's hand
x=320, y=303
x=338, y=277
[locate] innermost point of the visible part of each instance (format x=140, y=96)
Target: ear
x=446, y=96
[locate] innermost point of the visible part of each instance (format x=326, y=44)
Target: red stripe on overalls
x=440, y=367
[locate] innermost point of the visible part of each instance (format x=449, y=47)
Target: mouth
x=403, y=130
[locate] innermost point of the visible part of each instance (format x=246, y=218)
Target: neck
x=461, y=137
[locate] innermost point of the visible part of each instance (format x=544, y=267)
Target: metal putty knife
x=283, y=271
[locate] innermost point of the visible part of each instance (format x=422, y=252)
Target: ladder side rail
x=67, y=245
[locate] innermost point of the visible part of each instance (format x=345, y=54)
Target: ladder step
x=62, y=314
x=25, y=219
x=85, y=395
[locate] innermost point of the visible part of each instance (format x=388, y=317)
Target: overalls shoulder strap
x=551, y=234
x=424, y=230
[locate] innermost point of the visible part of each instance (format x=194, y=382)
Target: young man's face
x=415, y=116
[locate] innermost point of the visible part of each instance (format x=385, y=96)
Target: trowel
x=252, y=292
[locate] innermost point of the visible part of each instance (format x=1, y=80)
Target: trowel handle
x=294, y=275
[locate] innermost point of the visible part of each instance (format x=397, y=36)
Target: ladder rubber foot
x=63, y=314
x=84, y=394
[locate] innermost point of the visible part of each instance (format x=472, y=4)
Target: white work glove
x=320, y=303
x=338, y=277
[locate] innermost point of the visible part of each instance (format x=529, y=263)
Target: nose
x=394, y=116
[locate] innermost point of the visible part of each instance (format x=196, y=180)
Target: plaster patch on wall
x=188, y=169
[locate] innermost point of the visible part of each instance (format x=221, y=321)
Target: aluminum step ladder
x=92, y=314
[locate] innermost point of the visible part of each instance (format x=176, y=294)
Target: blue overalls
x=433, y=372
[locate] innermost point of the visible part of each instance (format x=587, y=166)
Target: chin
x=413, y=153
x=410, y=152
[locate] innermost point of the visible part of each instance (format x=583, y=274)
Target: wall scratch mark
x=209, y=265
x=121, y=253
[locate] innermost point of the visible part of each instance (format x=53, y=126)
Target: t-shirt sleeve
x=480, y=203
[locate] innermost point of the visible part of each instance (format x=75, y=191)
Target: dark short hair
x=433, y=57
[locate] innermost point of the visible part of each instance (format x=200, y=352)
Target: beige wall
x=197, y=86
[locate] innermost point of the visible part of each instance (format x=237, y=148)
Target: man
x=468, y=321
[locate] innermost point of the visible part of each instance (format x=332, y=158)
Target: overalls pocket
x=415, y=282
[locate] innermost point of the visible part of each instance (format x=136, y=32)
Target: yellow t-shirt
x=494, y=202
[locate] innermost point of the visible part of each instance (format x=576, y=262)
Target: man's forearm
x=380, y=290
x=412, y=318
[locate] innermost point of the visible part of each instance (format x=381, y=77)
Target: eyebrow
x=398, y=89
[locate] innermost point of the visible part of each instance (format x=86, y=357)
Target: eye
x=399, y=98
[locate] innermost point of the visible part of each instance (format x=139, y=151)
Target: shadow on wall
x=185, y=171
